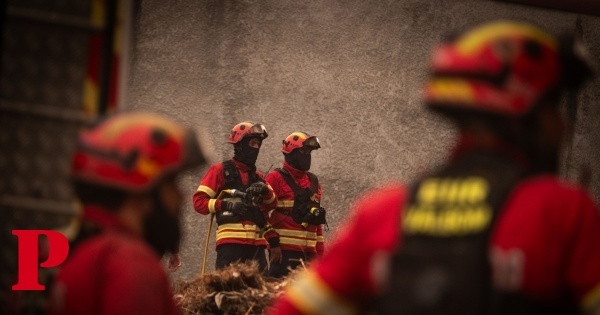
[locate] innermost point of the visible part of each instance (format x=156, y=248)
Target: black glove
x=316, y=215
x=236, y=207
x=258, y=188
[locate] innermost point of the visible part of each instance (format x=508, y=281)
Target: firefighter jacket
x=243, y=231
x=543, y=247
x=114, y=272
x=292, y=235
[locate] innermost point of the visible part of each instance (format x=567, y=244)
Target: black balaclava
x=298, y=160
x=244, y=153
x=161, y=229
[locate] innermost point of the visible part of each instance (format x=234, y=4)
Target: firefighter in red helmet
x=124, y=173
x=299, y=217
x=242, y=231
x=494, y=231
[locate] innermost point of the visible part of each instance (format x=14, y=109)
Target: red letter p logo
x=58, y=249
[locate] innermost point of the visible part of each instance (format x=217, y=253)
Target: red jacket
x=113, y=273
x=205, y=202
x=554, y=227
x=291, y=234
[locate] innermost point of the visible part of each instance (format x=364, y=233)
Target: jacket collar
x=104, y=219
x=467, y=143
x=296, y=173
x=243, y=167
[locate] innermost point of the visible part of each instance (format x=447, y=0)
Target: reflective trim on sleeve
x=285, y=203
x=207, y=190
x=311, y=295
x=270, y=199
x=320, y=238
x=211, y=206
x=591, y=301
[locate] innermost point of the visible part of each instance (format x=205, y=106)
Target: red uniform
x=292, y=235
x=544, y=245
x=112, y=273
x=205, y=202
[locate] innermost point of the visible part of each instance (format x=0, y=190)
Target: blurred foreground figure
x=492, y=232
x=124, y=173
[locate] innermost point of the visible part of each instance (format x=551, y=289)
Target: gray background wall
x=350, y=72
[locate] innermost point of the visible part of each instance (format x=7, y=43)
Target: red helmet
x=299, y=139
x=247, y=129
x=504, y=68
x=133, y=151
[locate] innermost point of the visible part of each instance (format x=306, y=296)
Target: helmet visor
x=258, y=130
x=311, y=143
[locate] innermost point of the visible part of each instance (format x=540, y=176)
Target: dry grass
x=237, y=289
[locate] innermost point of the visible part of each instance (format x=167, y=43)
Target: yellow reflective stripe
x=296, y=233
x=245, y=235
x=311, y=295
x=591, y=301
x=285, y=203
x=321, y=238
x=270, y=200
x=237, y=226
x=207, y=190
x=294, y=241
x=211, y=206
x=474, y=40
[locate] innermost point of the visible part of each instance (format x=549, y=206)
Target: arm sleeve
x=583, y=273
x=320, y=236
x=204, y=198
x=135, y=286
x=332, y=285
x=271, y=234
x=270, y=200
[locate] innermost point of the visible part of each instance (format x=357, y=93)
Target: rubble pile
x=237, y=289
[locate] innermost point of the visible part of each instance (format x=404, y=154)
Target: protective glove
x=310, y=217
x=258, y=188
x=236, y=207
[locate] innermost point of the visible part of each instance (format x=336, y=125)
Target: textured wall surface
x=347, y=71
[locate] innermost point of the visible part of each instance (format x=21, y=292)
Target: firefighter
x=124, y=173
x=299, y=217
x=242, y=231
x=494, y=231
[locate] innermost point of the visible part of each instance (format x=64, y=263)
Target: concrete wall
x=348, y=71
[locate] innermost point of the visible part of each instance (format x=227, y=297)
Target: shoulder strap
x=314, y=182
x=288, y=179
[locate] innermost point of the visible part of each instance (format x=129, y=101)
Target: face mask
x=246, y=154
x=161, y=229
x=298, y=160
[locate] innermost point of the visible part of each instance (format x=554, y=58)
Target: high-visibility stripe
x=211, y=206
x=245, y=235
x=591, y=301
x=297, y=233
x=270, y=200
x=285, y=203
x=237, y=226
x=299, y=242
x=320, y=238
x=311, y=295
x=472, y=41
x=207, y=190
